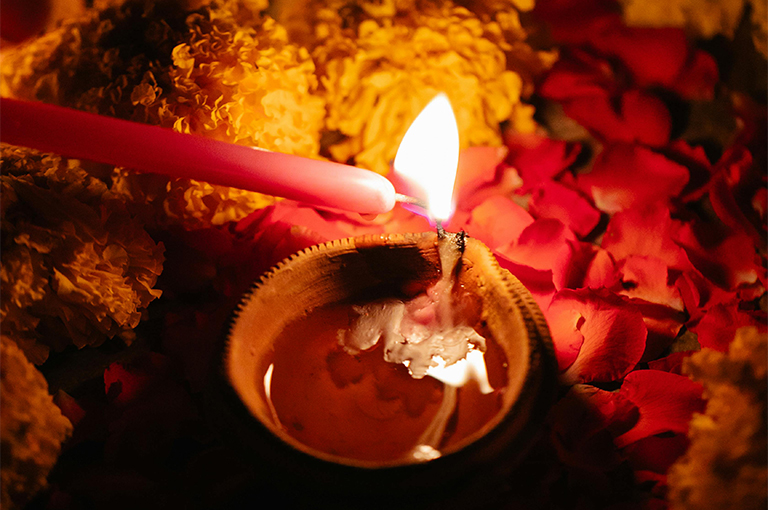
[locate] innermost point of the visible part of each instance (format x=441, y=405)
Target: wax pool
x=359, y=406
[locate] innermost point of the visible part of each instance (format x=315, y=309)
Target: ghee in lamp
x=390, y=380
x=345, y=410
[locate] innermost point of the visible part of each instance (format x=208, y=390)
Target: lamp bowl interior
x=380, y=266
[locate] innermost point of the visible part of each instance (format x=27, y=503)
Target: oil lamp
x=393, y=362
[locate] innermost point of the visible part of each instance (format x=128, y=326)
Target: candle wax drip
x=360, y=406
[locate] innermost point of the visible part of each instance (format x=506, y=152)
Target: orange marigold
x=32, y=428
x=725, y=465
x=219, y=70
x=380, y=63
x=76, y=266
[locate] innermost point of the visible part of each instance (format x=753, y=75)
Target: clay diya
x=352, y=453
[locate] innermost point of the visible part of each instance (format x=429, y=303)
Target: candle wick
x=441, y=230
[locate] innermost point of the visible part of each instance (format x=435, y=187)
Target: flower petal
x=626, y=176
x=666, y=402
x=498, y=221
x=537, y=158
x=613, y=334
x=551, y=199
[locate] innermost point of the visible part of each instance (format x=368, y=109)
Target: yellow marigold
x=701, y=18
x=759, y=19
x=76, y=266
x=32, y=428
x=725, y=466
x=380, y=63
x=222, y=71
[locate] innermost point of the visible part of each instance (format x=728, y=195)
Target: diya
x=392, y=362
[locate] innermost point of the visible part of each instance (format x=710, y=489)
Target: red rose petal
x=69, y=407
x=477, y=170
x=626, y=176
x=498, y=221
x=729, y=209
x=127, y=381
x=672, y=363
x=656, y=453
x=584, y=422
x=647, y=117
x=538, y=282
x=646, y=277
x=551, y=199
x=654, y=56
x=698, y=78
x=602, y=271
x=547, y=244
x=597, y=114
x=574, y=21
x=581, y=75
x=646, y=231
x=613, y=334
x=666, y=402
x=663, y=324
x=537, y=158
x=718, y=326
x=728, y=258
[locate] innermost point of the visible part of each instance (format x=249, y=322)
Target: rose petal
x=672, y=363
x=698, y=78
x=654, y=56
x=577, y=75
x=553, y=200
x=728, y=258
x=127, y=381
x=602, y=271
x=584, y=422
x=498, y=221
x=666, y=402
x=597, y=114
x=647, y=117
x=538, y=282
x=548, y=244
x=663, y=324
x=537, y=158
x=612, y=330
x=625, y=176
x=646, y=231
x=718, y=326
x=646, y=278
x=477, y=170
x=656, y=453
x=574, y=22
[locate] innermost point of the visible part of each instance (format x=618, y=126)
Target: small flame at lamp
x=457, y=374
x=428, y=156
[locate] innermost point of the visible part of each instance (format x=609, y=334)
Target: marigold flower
x=31, y=430
x=220, y=71
x=380, y=63
x=725, y=466
x=76, y=267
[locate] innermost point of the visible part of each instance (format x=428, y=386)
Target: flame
x=428, y=156
x=470, y=367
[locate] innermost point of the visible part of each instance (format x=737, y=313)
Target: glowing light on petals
x=470, y=367
x=428, y=156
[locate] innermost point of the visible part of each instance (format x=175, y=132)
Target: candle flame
x=470, y=367
x=428, y=156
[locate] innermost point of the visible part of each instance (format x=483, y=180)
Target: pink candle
x=153, y=149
